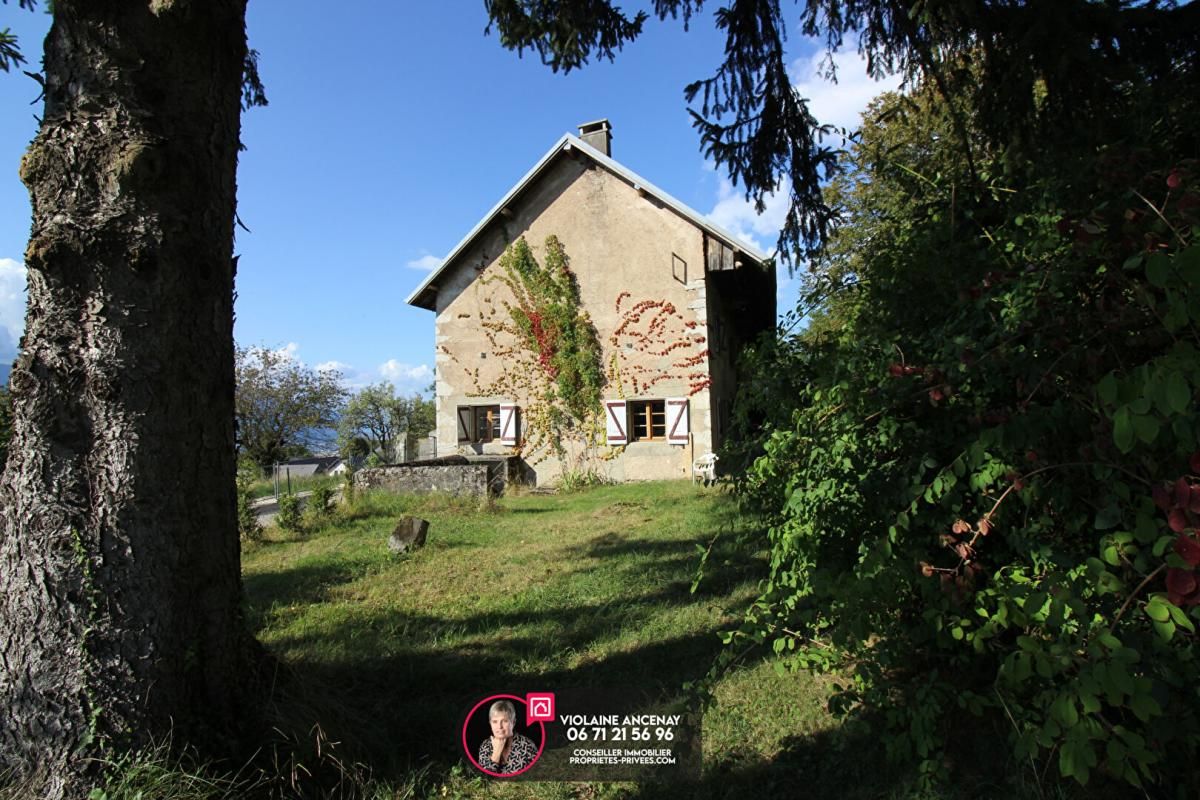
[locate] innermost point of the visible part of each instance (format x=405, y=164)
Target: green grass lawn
x=575, y=590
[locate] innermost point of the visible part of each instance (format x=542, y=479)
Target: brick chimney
x=598, y=134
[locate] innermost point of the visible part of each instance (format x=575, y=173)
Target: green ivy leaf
x=1158, y=270
x=1064, y=711
x=1187, y=263
x=1157, y=611
x=1166, y=630
x=1179, y=394
x=1145, y=706
x=1180, y=618
x=1108, y=517
x=1123, y=430
x=1106, y=389
x=1146, y=427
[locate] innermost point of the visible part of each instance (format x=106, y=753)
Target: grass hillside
x=587, y=589
x=378, y=656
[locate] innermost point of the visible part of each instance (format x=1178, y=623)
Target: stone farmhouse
x=672, y=296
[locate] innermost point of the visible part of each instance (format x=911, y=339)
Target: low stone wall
x=452, y=475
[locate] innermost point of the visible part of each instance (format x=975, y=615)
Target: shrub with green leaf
x=980, y=462
x=248, y=473
x=321, y=499
x=289, y=517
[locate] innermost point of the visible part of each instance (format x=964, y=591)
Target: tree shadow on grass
x=305, y=584
x=398, y=683
x=394, y=684
x=827, y=764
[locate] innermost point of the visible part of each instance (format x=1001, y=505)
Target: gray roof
x=566, y=143
x=320, y=463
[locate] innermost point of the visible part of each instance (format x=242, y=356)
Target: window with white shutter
x=677, y=420
x=464, y=423
x=615, y=422
x=647, y=420
x=508, y=424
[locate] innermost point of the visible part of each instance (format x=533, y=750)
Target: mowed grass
x=385, y=653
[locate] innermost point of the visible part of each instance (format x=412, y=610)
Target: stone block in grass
x=409, y=534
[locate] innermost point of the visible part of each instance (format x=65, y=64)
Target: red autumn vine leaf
x=1183, y=493
x=1162, y=498
x=1188, y=548
x=1181, y=586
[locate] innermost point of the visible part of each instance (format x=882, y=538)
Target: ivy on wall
x=654, y=342
x=553, y=363
x=549, y=347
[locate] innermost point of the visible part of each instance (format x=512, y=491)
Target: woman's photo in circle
x=498, y=740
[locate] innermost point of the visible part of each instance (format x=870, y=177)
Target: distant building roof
x=319, y=463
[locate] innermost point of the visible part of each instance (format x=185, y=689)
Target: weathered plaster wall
x=619, y=243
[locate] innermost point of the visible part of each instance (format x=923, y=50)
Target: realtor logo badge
x=539, y=707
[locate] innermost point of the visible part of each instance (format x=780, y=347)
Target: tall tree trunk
x=120, y=591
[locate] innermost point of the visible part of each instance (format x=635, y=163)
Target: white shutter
x=615, y=421
x=677, y=420
x=508, y=424
x=464, y=423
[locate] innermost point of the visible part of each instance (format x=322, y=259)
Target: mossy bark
x=120, y=619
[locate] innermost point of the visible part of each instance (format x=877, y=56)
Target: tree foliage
x=284, y=409
x=10, y=51
x=978, y=463
x=1032, y=69
x=389, y=426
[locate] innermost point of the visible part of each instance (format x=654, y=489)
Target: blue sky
x=392, y=129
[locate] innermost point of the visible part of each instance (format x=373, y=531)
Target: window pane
x=637, y=414
x=648, y=419
x=487, y=423
x=658, y=410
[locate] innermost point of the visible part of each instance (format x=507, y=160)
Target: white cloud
x=288, y=352
x=842, y=103
x=13, y=280
x=427, y=263
x=839, y=104
x=334, y=366
x=402, y=374
x=285, y=354
x=737, y=215
x=8, y=350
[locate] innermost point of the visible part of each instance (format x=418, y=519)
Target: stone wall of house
x=625, y=249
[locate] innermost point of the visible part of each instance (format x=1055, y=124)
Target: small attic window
x=679, y=268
